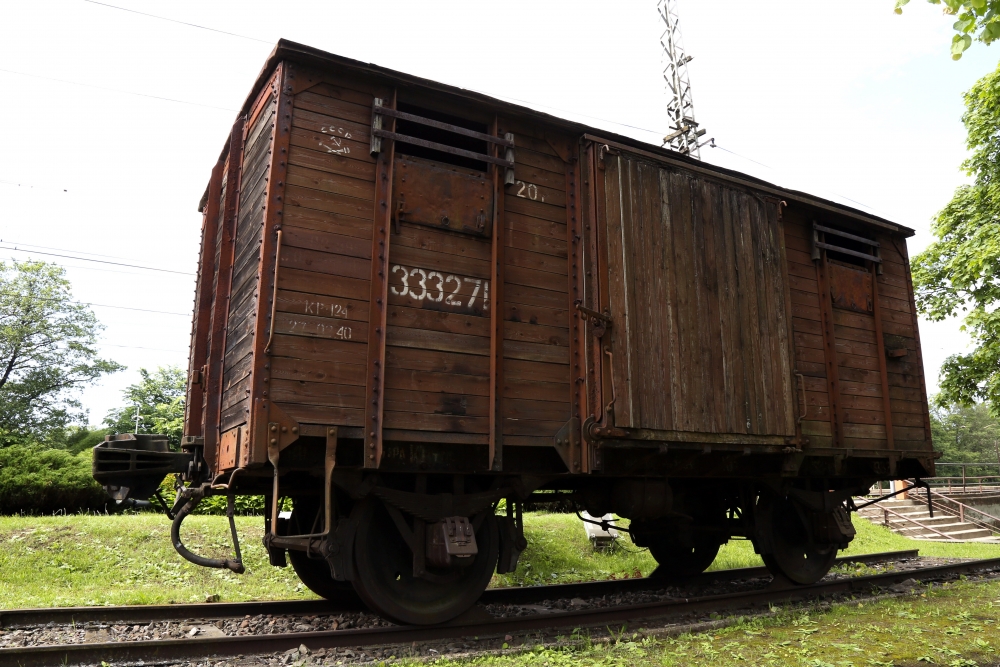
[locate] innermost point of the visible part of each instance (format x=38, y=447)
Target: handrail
x=962, y=508
x=888, y=511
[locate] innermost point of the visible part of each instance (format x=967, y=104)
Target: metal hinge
x=600, y=321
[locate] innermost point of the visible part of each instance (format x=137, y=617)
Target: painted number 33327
x=434, y=286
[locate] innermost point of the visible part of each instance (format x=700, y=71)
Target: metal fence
x=966, y=477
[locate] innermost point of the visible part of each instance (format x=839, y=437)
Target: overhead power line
x=192, y=25
x=136, y=347
x=31, y=187
x=43, y=247
x=99, y=261
x=116, y=90
x=103, y=305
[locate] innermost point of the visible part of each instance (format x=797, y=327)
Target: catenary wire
x=31, y=187
x=193, y=25
x=45, y=247
x=103, y=305
x=99, y=261
x=117, y=90
x=136, y=347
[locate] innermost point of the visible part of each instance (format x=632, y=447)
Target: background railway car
x=419, y=308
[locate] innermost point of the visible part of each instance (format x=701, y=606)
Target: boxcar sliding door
x=691, y=273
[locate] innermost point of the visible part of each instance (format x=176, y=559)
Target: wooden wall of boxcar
x=244, y=290
x=319, y=349
x=851, y=383
x=437, y=382
x=536, y=352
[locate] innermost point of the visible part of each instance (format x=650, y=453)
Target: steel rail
x=132, y=614
x=182, y=649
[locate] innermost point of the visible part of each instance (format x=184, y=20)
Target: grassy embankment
x=956, y=625
x=100, y=560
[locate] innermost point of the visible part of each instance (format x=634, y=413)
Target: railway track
x=481, y=625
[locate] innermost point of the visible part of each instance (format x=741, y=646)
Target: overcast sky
x=113, y=119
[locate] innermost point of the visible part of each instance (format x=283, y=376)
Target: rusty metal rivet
x=274, y=427
x=371, y=457
x=295, y=429
x=333, y=431
x=274, y=441
x=372, y=445
x=372, y=434
x=284, y=429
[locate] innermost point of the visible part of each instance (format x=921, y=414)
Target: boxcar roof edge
x=310, y=56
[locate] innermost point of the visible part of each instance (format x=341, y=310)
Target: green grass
x=101, y=560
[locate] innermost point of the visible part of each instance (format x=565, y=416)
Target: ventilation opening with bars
x=440, y=140
x=845, y=247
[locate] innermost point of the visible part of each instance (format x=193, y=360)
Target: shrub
x=34, y=480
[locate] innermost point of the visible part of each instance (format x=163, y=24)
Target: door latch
x=601, y=322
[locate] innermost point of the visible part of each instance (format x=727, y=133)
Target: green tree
x=160, y=399
x=960, y=271
x=966, y=433
x=977, y=20
x=47, y=352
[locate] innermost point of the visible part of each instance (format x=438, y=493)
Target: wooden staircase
x=910, y=518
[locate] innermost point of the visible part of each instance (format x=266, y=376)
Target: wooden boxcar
x=415, y=301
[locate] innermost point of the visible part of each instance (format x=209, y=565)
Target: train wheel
x=315, y=572
x=384, y=578
x=793, y=552
x=676, y=561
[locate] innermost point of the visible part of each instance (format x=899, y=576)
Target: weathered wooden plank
x=533, y=371
x=313, y=370
x=331, y=125
x=332, y=163
x=317, y=393
x=324, y=221
x=337, y=184
x=435, y=361
x=553, y=282
x=536, y=333
x=299, y=303
x=516, y=257
x=324, y=284
x=524, y=224
x=534, y=243
x=401, y=378
x=325, y=262
x=535, y=209
x=536, y=352
x=534, y=427
x=297, y=324
x=550, y=317
x=418, y=421
x=435, y=340
x=309, y=239
x=420, y=237
x=322, y=414
x=442, y=403
x=439, y=261
x=296, y=196
x=320, y=142
x=537, y=409
x=432, y=320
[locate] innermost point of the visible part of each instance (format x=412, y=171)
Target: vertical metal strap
x=378, y=306
x=830, y=350
x=882, y=361
x=274, y=294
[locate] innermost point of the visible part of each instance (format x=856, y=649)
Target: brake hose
x=222, y=563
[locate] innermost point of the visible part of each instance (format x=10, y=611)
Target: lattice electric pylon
x=686, y=134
